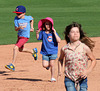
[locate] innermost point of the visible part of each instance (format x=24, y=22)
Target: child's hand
x=22, y=27
x=32, y=29
x=37, y=31
x=54, y=31
x=84, y=74
x=59, y=75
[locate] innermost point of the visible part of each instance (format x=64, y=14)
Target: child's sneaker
x=53, y=80
x=10, y=67
x=35, y=53
x=47, y=68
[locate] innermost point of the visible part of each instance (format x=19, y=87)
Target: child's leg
x=52, y=62
x=69, y=84
x=83, y=85
x=20, y=43
x=15, y=50
x=11, y=66
x=26, y=50
x=52, y=65
x=32, y=51
x=45, y=61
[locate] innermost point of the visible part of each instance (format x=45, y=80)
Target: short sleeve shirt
x=49, y=43
x=23, y=22
x=75, y=61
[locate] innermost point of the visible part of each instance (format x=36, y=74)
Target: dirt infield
x=31, y=76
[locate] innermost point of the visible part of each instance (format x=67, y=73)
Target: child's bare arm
x=31, y=24
x=37, y=34
x=60, y=62
x=57, y=37
x=20, y=27
x=93, y=62
x=92, y=58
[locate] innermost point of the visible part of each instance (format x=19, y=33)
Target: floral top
x=75, y=61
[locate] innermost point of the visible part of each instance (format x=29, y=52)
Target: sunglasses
x=18, y=13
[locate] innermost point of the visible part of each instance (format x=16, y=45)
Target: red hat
x=42, y=21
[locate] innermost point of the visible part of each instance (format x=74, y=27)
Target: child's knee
x=52, y=63
x=15, y=48
x=20, y=49
x=45, y=64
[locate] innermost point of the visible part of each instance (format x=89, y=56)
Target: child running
x=76, y=53
x=50, y=40
x=24, y=25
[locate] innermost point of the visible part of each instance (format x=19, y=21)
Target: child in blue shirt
x=24, y=25
x=50, y=40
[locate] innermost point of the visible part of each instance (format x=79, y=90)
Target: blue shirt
x=49, y=43
x=23, y=22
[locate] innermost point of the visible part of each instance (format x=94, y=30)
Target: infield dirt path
x=31, y=76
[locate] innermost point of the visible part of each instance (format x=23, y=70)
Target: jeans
x=70, y=85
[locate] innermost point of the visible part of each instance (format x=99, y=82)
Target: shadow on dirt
x=24, y=79
x=4, y=73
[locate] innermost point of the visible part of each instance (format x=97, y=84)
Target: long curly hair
x=83, y=37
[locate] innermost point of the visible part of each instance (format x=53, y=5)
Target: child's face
x=47, y=25
x=20, y=15
x=74, y=34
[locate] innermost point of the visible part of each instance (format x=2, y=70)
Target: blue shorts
x=49, y=57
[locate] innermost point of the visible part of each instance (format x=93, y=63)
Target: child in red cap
x=24, y=25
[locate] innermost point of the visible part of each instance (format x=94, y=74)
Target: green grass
x=63, y=12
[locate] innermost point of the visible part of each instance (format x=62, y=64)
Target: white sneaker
x=53, y=80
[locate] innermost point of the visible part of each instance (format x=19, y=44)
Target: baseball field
x=29, y=74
